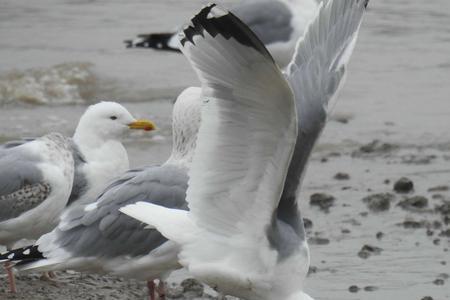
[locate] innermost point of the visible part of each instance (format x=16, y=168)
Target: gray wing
x=315, y=75
x=80, y=182
x=270, y=20
x=21, y=183
x=102, y=230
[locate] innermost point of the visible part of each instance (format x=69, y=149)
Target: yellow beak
x=146, y=125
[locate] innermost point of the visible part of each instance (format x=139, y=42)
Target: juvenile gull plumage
x=98, y=238
x=244, y=233
x=35, y=183
x=97, y=149
x=98, y=155
x=277, y=23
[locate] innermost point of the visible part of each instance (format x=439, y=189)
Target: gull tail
x=158, y=41
x=25, y=255
x=174, y=224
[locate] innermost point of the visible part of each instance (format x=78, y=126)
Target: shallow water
x=397, y=91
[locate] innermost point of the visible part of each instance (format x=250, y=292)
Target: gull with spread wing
x=244, y=233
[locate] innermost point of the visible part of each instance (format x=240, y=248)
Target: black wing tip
x=157, y=41
x=22, y=254
x=218, y=21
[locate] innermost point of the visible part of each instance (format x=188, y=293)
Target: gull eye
x=113, y=118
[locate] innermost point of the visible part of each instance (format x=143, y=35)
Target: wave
x=66, y=83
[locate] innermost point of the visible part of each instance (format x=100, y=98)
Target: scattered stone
x=353, y=289
x=427, y=298
x=379, y=202
x=444, y=276
x=192, y=287
x=367, y=250
x=439, y=281
x=387, y=181
x=445, y=233
x=370, y=288
x=415, y=159
x=375, y=146
x=346, y=231
x=430, y=232
x=342, y=176
x=318, y=241
x=312, y=270
x=439, y=188
x=444, y=208
x=415, y=203
x=437, y=242
x=403, y=185
x=379, y=235
x=307, y=223
x=412, y=224
x=438, y=196
x=322, y=200
x=364, y=214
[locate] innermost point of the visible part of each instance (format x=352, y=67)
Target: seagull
x=97, y=149
x=35, y=183
x=277, y=23
x=97, y=238
x=243, y=233
x=98, y=155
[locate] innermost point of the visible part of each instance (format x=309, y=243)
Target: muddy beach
x=377, y=189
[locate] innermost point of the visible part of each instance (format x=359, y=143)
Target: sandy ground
x=368, y=241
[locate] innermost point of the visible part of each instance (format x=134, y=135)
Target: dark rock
x=444, y=208
x=193, y=287
x=412, y=224
x=439, y=281
x=307, y=223
x=379, y=235
x=346, y=231
x=387, y=181
x=376, y=146
x=403, y=185
x=427, y=298
x=353, y=289
x=342, y=176
x=379, y=202
x=318, y=241
x=415, y=203
x=439, y=188
x=445, y=233
x=324, y=201
x=367, y=250
x=312, y=270
x=370, y=288
x=437, y=242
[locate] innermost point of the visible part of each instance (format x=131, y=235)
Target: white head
x=186, y=119
x=107, y=121
x=300, y=296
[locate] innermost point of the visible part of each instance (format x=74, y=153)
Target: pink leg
x=161, y=290
x=151, y=290
x=11, y=280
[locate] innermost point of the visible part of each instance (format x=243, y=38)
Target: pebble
x=439, y=188
x=318, y=241
x=403, y=185
x=379, y=235
x=438, y=281
x=379, y=202
x=322, y=200
x=353, y=289
x=367, y=250
x=415, y=203
x=342, y=176
x=370, y=288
